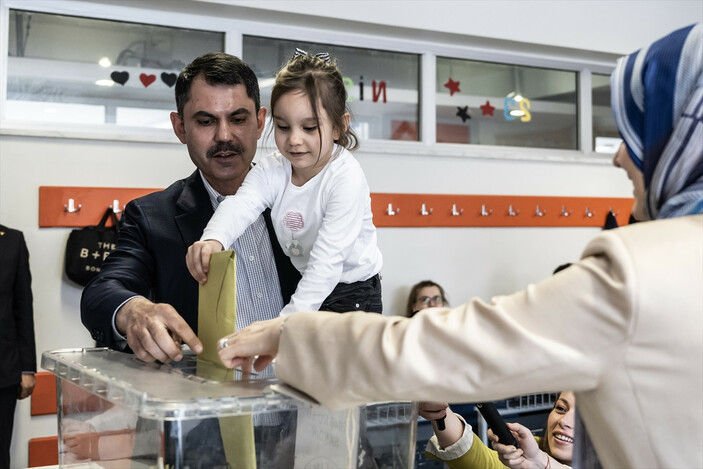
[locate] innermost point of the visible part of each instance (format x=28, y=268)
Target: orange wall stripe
x=93, y=202
x=44, y=451
x=441, y=210
x=406, y=210
x=44, y=394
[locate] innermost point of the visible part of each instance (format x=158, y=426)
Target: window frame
x=582, y=62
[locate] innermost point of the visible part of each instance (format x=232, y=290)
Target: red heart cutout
x=147, y=79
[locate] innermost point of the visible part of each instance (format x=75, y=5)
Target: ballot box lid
x=188, y=389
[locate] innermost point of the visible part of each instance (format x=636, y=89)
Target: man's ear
x=260, y=121
x=178, y=127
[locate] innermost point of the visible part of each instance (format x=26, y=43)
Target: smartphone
x=496, y=423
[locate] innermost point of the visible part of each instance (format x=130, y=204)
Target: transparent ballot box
x=116, y=411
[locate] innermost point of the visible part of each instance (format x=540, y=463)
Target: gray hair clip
x=321, y=55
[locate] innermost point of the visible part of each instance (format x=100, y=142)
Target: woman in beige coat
x=623, y=327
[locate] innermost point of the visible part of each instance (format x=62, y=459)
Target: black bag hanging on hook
x=88, y=247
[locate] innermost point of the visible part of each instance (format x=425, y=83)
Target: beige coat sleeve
x=558, y=334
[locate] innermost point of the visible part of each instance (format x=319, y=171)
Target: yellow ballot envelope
x=217, y=314
x=217, y=304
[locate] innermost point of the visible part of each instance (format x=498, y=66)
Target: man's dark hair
x=217, y=68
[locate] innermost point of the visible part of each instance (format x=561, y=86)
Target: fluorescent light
x=104, y=82
x=607, y=144
x=267, y=82
x=517, y=113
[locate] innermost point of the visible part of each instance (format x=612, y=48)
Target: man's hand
x=257, y=344
x=26, y=385
x=151, y=328
x=198, y=258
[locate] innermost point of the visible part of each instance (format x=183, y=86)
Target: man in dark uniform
x=18, y=361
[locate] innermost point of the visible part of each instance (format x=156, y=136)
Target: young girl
x=317, y=192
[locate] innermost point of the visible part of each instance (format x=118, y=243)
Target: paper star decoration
x=453, y=87
x=487, y=109
x=463, y=112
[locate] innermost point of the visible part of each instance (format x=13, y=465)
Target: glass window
x=606, y=138
x=498, y=104
x=72, y=70
x=382, y=86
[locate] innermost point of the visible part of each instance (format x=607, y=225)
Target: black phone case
x=496, y=423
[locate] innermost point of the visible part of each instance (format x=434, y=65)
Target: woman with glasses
x=425, y=294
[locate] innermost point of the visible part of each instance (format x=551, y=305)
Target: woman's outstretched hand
x=255, y=345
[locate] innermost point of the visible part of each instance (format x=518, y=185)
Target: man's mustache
x=225, y=147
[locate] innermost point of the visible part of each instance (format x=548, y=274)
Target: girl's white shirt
x=325, y=226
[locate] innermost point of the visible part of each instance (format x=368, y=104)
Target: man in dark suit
x=18, y=360
x=144, y=294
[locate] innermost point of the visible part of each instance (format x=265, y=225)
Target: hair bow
x=321, y=55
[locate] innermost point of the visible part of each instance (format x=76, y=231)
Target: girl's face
x=297, y=136
x=560, y=427
x=622, y=160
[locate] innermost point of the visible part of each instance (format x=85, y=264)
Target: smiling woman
x=460, y=448
x=558, y=440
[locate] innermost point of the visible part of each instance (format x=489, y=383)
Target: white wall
x=468, y=262
x=613, y=26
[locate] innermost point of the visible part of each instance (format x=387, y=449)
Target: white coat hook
x=423, y=210
x=116, y=206
x=71, y=207
x=590, y=214
x=485, y=213
x=454, y=211
x=614, y=212
x=539, y=212
x=390, y=210
x=564, y=212
x=513, y=213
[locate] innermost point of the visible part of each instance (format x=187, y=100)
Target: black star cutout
x=463, y=112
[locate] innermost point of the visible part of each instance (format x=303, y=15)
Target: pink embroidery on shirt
x=293, y=221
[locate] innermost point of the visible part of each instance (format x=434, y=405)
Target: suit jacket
x=622, y=328
x=149, y=259
x=17, y=350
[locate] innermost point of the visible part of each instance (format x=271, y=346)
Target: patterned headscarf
x=657, y=100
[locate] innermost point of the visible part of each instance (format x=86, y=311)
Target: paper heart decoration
x=147, y=79
x=169, y=79
x=120, y=77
